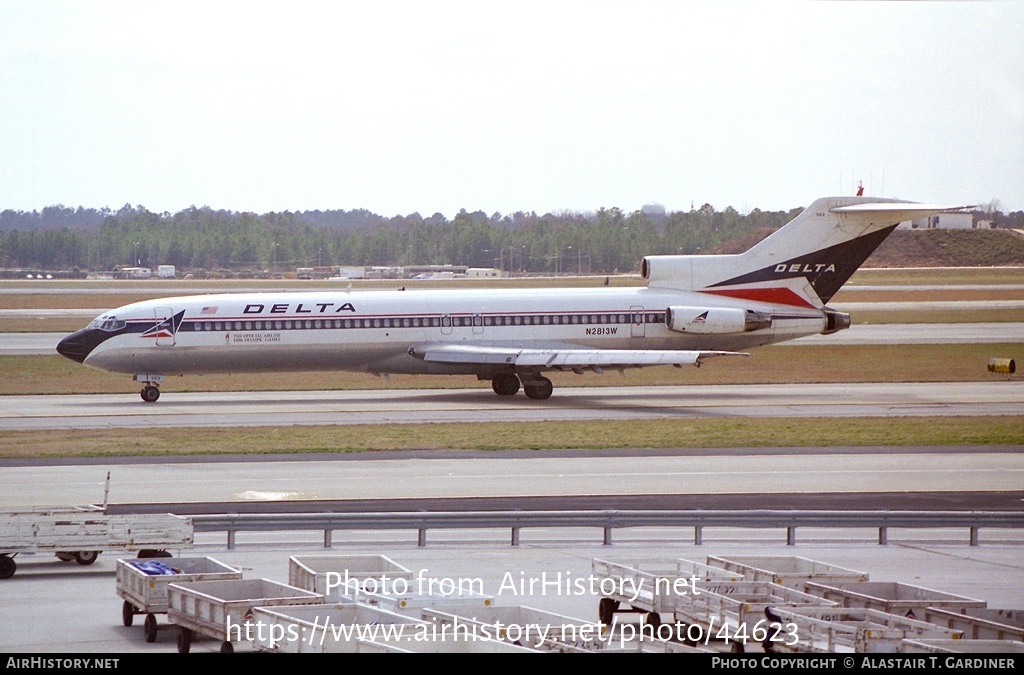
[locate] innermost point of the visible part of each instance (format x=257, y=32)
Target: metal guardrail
x=608, y=520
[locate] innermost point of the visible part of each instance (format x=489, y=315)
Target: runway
x=411, y=406
x=394, y=476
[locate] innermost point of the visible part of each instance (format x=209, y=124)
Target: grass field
x=582, y=436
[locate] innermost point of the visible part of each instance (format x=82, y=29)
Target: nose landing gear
x=150, y=392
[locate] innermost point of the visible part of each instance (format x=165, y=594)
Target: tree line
x=606, y=241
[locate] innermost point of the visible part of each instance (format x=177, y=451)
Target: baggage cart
x=409, y=603
x=703, y=572
x=346, y=578
x=410, y=645
x=223, y=609
x=738, y=613
x=891, y=597
x=526, y=626
x=961, y=647
x=82, y=533
x=327, y=628
x=786, y=570
x=142, y=584
x=978, y=624
x=650, y=591
x=845, y=629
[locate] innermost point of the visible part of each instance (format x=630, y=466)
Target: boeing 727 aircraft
x=693, y=308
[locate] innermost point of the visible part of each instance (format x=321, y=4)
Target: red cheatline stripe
x=779, y=296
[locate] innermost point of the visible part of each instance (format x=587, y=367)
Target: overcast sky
x=436, y=106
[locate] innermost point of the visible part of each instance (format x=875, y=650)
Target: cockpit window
x=107, y=323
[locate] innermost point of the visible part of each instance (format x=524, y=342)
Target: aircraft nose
x=75, y=346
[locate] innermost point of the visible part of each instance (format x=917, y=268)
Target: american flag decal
x=208, y=310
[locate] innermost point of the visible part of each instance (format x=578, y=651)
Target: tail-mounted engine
x=835, y=321
x=715, y=320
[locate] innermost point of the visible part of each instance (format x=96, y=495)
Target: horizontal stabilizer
x=898, y=207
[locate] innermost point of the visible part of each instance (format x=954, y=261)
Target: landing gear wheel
x=127, y=613
x=227, y=648
x=505, y=384
x=86, y=557
x=150, y=393
x=654, y=620
x=149, y=627
x=539, y=389
x=66, y=557
x=606, y=609
x=184, y=640
x=7, y=567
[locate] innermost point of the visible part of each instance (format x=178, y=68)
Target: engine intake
x=715, y=320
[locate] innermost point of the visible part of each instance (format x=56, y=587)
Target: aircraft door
x=164, y=329
x=446, y=324
x=478, y=324
x=636, y=321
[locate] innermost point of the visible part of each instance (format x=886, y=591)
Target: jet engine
x=715, y=320
x=835, y=321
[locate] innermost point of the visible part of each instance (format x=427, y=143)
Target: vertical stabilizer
x=820, y=248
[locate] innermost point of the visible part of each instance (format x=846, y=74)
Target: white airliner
x=693, y=308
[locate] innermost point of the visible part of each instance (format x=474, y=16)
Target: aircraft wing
x=573, y=359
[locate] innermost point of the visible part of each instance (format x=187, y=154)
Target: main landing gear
x=507, y=384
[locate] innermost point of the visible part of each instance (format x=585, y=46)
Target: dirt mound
x=949, y=248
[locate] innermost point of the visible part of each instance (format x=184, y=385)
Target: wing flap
x=562, y=359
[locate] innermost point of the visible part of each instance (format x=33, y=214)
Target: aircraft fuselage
x=373, y=331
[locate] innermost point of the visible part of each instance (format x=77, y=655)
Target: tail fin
x=802, y=263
